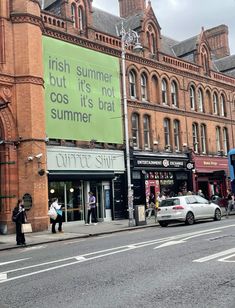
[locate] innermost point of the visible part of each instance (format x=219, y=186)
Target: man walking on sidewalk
x=92, y=210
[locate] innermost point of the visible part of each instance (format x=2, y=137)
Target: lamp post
x=128, y=38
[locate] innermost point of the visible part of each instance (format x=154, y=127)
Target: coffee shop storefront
x=73, y=172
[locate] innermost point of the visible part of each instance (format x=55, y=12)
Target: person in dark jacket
x=19, y=217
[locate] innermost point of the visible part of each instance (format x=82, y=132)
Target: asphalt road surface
x=178, y=266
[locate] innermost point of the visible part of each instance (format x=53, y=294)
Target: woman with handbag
x=19, y=217
x=59, y=219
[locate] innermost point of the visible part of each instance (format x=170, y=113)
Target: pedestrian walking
x=200, y=193
x=19, y=217
x=151, y=205
x=230, y=201
x=92, y=209
x=59, y=218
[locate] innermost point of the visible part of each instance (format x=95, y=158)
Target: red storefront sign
x=211, y=164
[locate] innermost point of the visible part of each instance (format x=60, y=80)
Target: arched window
x=200, y=100
x=164, y=91
x=177, y=135
x=222, y=106
x=80, y=18
x=73, y=14
x=174, y=94
x=135, y=130
x=153, y=44
x=218, y=138
x=215, y=104
x=203, y=139
x=195, y=137
x=225, y=140
x=166, y=125
x=155, y=90
x=132, y=83
x=146, y=125
x=143, y=80
x=192, y=98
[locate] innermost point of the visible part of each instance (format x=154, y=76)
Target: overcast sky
x=181, y=19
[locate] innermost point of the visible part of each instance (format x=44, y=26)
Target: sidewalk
x=72, y=230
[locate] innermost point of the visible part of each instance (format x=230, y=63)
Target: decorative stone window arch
x=144, y=86
x=135, y=128
x=78, y=15
x=152, y=39
x=174, y=94
x=132, y=84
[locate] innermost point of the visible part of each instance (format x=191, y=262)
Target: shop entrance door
x=97, y=188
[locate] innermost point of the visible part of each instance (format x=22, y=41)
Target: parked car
x=187, y=209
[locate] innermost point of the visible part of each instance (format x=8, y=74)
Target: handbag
x=52, y=213
x=26, y=228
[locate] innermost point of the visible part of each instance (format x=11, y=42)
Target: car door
x=207, y=209
x=195, y=206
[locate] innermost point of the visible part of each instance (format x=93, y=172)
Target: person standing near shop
x=59, y=218
x=92, y=209
x=19, y=217
x=230, y=201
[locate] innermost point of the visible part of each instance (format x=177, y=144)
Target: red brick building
x=181, y=98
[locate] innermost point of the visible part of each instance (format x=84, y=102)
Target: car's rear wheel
x=189, y=219
x=163, y=223
x=217, y=214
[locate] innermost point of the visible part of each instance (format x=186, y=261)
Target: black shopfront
x=157, y=173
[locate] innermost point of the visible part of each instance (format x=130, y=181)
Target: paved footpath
x=72, y=230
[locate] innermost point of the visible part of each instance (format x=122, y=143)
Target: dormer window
x=77, y=16
x=80, y=18
x=152, y=41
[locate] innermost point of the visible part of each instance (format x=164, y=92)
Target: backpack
x=15, y=214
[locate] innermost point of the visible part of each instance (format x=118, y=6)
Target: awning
x=70, y=175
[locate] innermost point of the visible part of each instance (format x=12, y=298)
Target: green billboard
x=82, y=89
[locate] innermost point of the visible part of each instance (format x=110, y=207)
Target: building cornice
x=18, y=18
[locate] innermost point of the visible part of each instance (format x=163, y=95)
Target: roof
x=225, y=64
x=186, y=46
x=166, y=45
x=46, y=3
x=105, y=22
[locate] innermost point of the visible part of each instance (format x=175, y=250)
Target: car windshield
x=170, y=202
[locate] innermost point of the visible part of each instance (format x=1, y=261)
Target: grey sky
x=181, y=19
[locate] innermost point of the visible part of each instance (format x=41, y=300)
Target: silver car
x=186, y=209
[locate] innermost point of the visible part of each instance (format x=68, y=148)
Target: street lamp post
x=128, y=38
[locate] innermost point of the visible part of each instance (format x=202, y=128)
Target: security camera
x=38, y=155
x=30, y=158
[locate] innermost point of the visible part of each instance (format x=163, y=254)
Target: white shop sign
x=64, y=158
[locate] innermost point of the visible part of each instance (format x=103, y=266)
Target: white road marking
x=3, y=276
x=226, y=258
x=107, y=252
x=13, y=261
x=183, y=240
x=216, y=255
x=34, y=247
x=73, y=242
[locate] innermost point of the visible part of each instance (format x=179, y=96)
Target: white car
x=186, y=209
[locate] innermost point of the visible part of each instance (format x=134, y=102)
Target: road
x=178, y=266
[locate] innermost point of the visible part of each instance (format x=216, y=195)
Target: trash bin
x=140, y=217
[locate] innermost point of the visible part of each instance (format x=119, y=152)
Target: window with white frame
x=135, y=130
x=215, y=104
x=166, y=125
x=174, y=94
x=195, y=137
x=132, y=84
x=203, y=139
x=73, y=14
x=143, y=80
x=200, y=100
x=80, y=18
x=225, y=140
x=146, y=132
x=192, y=98
x=217, y=136
x=222, y=106
x=177, y=135
x=164, y=91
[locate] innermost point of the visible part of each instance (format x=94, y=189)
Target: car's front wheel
x=217, y=215
x=189, y=219
x=163, y=223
